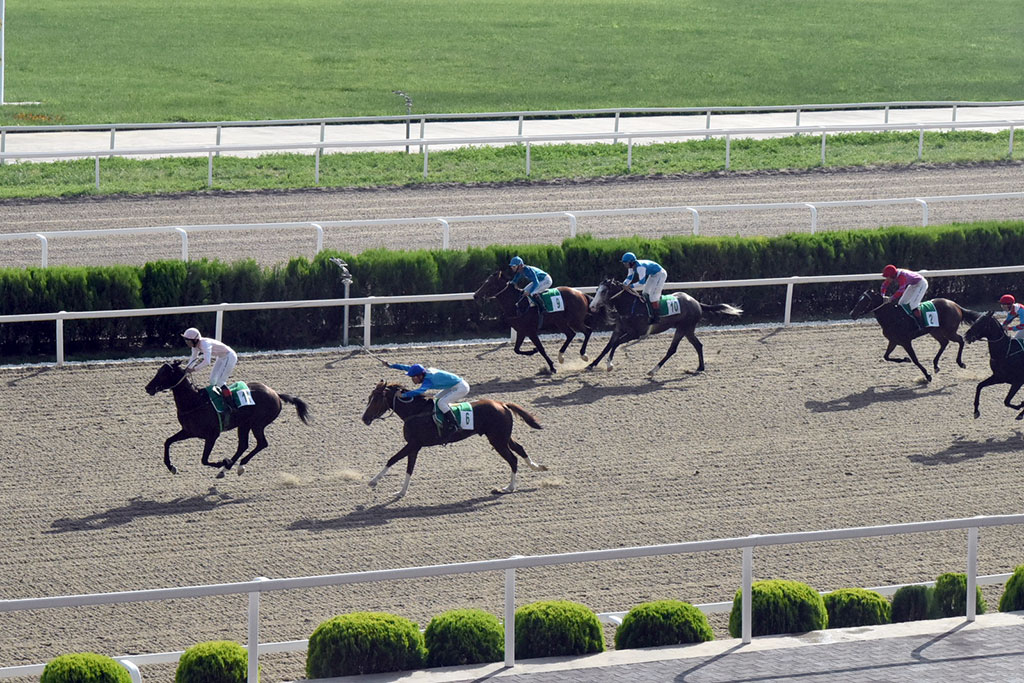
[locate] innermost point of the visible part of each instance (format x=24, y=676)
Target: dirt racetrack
x=788, y=430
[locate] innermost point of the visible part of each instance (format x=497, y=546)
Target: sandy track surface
x=788, y=430
x=321, y=205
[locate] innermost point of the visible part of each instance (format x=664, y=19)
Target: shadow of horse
x=138, y=507
x=870, y=396
x=592, y=393
x=382, y=513
x=962, y=450
x=14, y=382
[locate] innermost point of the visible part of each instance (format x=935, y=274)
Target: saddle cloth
x=239, y=393
x=669, y=305
x=463, y=413
x=929, y=316
x=553, y=302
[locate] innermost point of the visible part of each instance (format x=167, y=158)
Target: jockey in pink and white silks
x=1014, y=321
x=537, y=281
x=451, y=389
x=225, y=362
x=910, y=287
x=649, y=274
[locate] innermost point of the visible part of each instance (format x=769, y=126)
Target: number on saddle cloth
x=929, y=316
x=463, y=413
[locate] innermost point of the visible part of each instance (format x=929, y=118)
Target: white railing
x=444, y=222
x=369, y=302
x=319, y=148
x=509, y=566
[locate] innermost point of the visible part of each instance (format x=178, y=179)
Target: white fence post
x=319, y=237
x=629, y=153
x=696, y=220
x=748, y=582
x=219, y=331
x=133, y=670
x=924, y=211
x=44, y=250
x=254, y=634
x=572, y=224
x=97, y=173
x=972, y=573
x=814, y=217
x=184, y=243
x=445, y=233
x=510, y=616
x=728, y=141
x=209, y=170
x=822, y=148
x=60, y=340
x=527, y=158
x=789, y=302
x=426, y=155
x=366, y=324
x=1011, y=142
x=316, y=172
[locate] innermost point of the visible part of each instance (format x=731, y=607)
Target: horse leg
x=500, y=444
x=540, y=347
x=892, y=347
x=960, y=350
x=407, y=451
x=180, y=436
x=517, y=447
x=943, y=343
x=1014, y=388
x=676, y=338
x=261, y=443
x=519, y=343
x=243, y=443
x=570, y=334
x=607, y=347
x=207, y=449
x=627, y=336
x=586, y=340
x=977, y=392
x=908, y=347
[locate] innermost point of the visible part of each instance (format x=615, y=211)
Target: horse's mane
x=611, y=314
x=401, y=388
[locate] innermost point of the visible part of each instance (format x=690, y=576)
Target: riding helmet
x=889, y=271
x=628, y=257
x=191, y=333
x=416, y=370
x=1007, y=299
x=515, y=262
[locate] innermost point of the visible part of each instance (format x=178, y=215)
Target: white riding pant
x=222, y=369
x=539, y=288
x=1019, y=334
x=914, y=294
x=655, y=283
x=451, y=395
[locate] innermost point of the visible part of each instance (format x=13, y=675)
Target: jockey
x=537, y=281
x=226, y=359
x=910, y=288
x=649, y=274
x=1014, y=312
x=452, y=389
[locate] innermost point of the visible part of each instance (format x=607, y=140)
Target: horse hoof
x=241, y=470
x=502, y=491
x=173, y=469
x=372, y=483
x=585, y=357
x=977, y=414
x=561, y=360
x=220, y=475
x=610, y=367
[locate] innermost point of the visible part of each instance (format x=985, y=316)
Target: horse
x=199, y=420
x=1005, y=357
x=492, y=419
x=626, y=308
x=573, y=319
x=901, y=329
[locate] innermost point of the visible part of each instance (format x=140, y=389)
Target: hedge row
x=578, y=261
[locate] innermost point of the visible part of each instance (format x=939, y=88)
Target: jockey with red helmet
x=451, y=389
x=1014, y=312
x=904, y=287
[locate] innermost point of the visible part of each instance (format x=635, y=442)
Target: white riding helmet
x=191, y=333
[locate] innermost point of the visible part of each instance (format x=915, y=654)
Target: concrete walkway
x=990, y=649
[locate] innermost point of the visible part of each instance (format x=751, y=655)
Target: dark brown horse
x=492, y=419
x=527, y=321
x=1006, y=358
x=626, y=308
x=199, y=420
x=901, y=329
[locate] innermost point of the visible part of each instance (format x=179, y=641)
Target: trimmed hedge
x=856, y=607
x=464, y=636
x=84, y=667
x=215, y=661
x=1012, y=599
x=779, y=607
x=950, y=596
x=364, y=643
x=663, y=622
x=913, y=603
x=557, y=628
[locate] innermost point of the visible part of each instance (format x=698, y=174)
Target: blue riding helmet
x=516, y=261
x=628, y=257
x=416, y=370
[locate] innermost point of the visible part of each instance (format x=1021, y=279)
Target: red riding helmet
x=889, y=271
x=1007, y=299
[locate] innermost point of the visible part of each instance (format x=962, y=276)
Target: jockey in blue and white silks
x=649, y=274
x=537, y=281
x=450, y=388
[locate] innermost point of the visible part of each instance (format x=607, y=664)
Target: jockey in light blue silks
x=537, y=281
x=649, y=274
x=451, y=389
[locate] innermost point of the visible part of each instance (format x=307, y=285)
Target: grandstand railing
x=509, y=566
x=444, y=222
x=369, y=302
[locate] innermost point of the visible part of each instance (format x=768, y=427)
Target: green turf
x=153, y=60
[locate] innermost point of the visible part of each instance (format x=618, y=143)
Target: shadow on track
x=589, y=393
x=382, y=513
x=961, y=450
x=872, y=395
x=145, y=508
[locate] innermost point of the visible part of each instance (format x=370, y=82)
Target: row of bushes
x=578, y=261
x=376, y=642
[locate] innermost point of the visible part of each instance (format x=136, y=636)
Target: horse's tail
x=971, y=316
x=301, y=407
x=721, y=309
x=527, y=417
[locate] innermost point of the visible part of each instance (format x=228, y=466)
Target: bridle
x=395, y=398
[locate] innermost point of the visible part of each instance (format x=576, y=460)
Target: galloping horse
x=627, y=308
x=199, y=420
x=574, y=318
x=901, y=329
x=1006, y=358
x=492, y=419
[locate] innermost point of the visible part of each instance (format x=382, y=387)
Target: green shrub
x=217, y=661
x=84, y=667
x=1013, y=595
x=464, y=636
x=664, y=622
x=950, y=596
x=557, y=628
x=779, y=607
x=363, y=643
x=913, y=603
x=856, y=607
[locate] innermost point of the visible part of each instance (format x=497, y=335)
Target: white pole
x=3, y=62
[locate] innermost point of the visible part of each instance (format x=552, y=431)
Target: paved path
x=991, y=649
x=362, y=133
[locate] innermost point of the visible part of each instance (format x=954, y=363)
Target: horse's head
x=381, y=401
x=868, y=301
x=491, y=286
x=168, y=376
x=606, y=291
x=986, y=327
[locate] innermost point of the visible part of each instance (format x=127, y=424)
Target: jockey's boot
x=450, y=426
x=539, y=303
x=229, y=401
x=652, y=311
